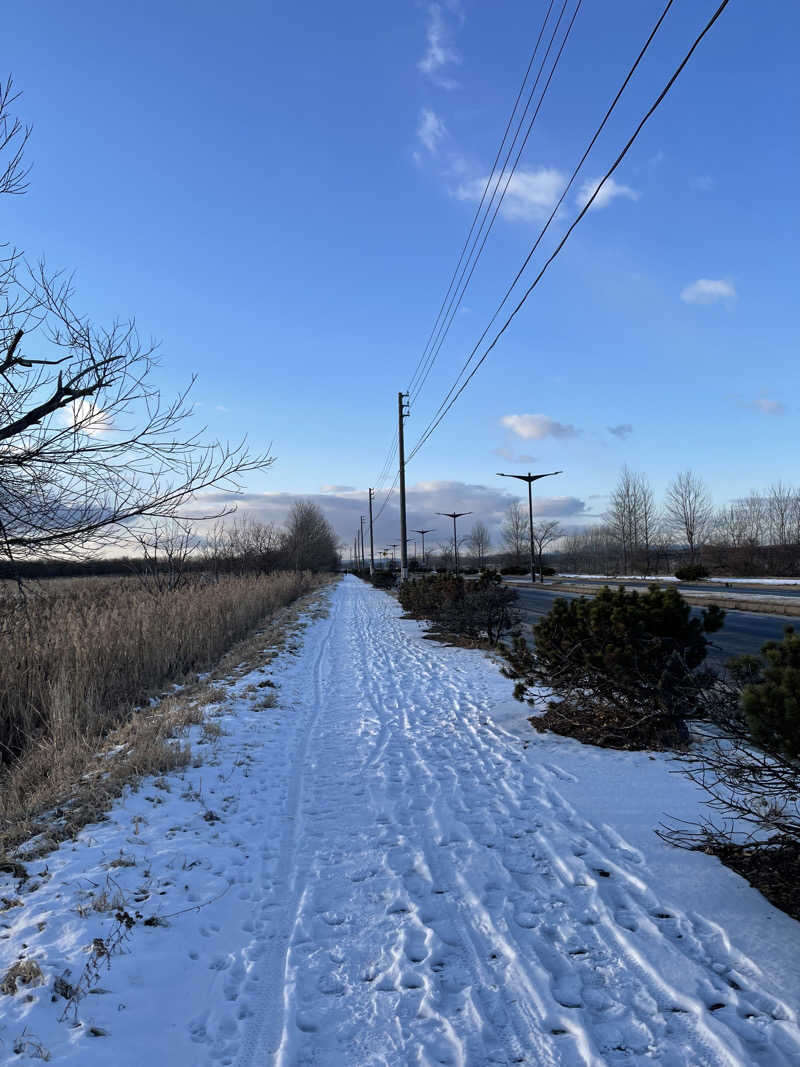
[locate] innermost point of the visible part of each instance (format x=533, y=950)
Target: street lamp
x=454, y=515
x=422, y=534
x=530, y=479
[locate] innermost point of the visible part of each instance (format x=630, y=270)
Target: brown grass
x=79, y=670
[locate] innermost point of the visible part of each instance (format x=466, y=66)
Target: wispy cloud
x=768, y=406
x=510, y=456
x=708, y=291
x=537, y=427
x=611, y=190
x=622, y=431
x=337, y=489
x=440, y=54
x=431, y=129
x=531, y=194
x=703, y=182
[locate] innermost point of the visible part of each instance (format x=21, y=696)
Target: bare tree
x=514, y=531
x=479, y=541
x=13, y=138
x=88, y=447
x=166, y=548
x=544, y=533
x=633, y=519
x=309, y=542
x=688, y=510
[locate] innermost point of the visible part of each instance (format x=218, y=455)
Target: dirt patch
x=605, y=726
x=773, y=870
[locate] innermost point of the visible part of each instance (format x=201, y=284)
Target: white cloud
x=440, y=52
x=531, y=194
x=611, y=190
x=622, y=431
x=337, y=489
x=704, y=183
x=708, y=291
x=768, y=406
x=85, y=417
x=510, y=456
x=537, y=427
x=431, y=129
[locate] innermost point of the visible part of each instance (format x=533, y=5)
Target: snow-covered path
x=435, y=900
x=390, y=868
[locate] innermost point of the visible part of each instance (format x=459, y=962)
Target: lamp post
x=530, y=479
x=455, y=515
x=422, y=535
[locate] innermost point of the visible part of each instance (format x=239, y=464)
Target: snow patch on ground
x=391, y=868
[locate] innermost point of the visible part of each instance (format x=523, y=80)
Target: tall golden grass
x=77, y=657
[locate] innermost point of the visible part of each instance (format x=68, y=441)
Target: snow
x=672, y=578
x=391, y=868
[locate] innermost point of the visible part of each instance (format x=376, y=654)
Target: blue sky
x=280, y=193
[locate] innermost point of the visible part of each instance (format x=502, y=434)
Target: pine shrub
x=623, y=665
x=691, y=572
x=771, y=704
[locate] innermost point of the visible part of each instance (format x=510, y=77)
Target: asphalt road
x=744, y=631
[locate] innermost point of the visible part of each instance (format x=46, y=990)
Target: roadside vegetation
x=86, y=659
x=472, y=611
x=623, y=668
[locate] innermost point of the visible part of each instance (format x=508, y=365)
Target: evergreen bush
x=470, y=609
x=691, y=572
x=771, y=703
x=623, y=665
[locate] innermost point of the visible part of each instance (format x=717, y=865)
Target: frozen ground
x=672, y=578
x=390, y=868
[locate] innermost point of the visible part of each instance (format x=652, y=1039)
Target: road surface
x=744, y=631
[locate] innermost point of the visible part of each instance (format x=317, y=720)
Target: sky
x=280, y=193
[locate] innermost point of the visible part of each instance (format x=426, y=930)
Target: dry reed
x=78, y=659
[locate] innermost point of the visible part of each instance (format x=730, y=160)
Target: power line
x=553, y=213
x=454, y=304
x=485, y=190
x=443, y=410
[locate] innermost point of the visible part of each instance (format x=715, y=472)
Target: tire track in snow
x=264, y=1032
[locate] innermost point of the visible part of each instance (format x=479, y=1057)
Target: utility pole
x=371, y=541
x=393, y=547
x=530, y=479
x=454, y=515
x=422, y=534
x=363, y=554
x=402, y=413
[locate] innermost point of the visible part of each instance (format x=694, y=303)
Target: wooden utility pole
x=363, y=553
x=371, y=541
x=402, y=413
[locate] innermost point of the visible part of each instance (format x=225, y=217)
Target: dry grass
x=79, y=668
